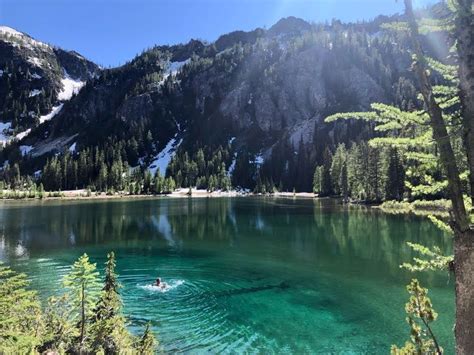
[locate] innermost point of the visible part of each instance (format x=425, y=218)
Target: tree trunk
x=464, y=271
x=464, y=234
x=464, y=241
x=440, y=132
x=83, y=313
x=464, y=35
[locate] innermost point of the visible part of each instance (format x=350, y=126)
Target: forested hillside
x=246, y=111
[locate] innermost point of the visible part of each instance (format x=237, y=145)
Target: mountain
x=35, y=80
x=256, y=98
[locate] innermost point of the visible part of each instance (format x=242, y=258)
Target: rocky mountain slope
x=35, y=80
x=256, y=93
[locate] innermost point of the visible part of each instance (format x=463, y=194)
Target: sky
x=111, y=32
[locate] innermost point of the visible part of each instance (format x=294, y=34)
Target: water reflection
x=279, y=226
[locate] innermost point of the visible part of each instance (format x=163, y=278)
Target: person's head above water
x=158, y=280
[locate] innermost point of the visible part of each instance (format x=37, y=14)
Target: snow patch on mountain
x=259, y=159
x=23, y=134
x=34, y=93
x=232, y=165
x=35, y=61
x=10, y=31
x=72, y=148
x=173, y=68
x=4, y=132
x=50, y=115
x=25, y=149
x=70, y=87
x=163, y=158
x=17, y=38
x=6, y=137
x=36, y=76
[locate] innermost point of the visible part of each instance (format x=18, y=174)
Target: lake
x=248, y=274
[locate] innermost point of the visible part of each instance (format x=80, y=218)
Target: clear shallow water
x=247, y=274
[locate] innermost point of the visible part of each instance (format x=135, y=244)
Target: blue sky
x=110, y=32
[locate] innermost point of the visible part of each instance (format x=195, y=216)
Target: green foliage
x=147, y=343
x=338, y=161
x=81, y=320
x=206, y=168
x=411, y=134
x=436, y=208
x=317, y=180
x=420, y=315
x=109, y=332
x=394, y=187
x=441, y=225
x=436, y=260
x=82, y=285
x=20, y=313
x=362, y=172
x=60, y=329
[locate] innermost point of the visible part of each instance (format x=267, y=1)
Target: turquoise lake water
x=250, y=274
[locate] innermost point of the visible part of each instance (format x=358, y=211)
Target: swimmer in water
x=160, y=284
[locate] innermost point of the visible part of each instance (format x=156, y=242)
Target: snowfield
x=24, y=40
x=173, y=69
x=162, y=159
x=55, y=110
x=70, y=87
x=23, y=134
x=10, y=31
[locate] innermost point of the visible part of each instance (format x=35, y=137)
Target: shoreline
x=81, y=194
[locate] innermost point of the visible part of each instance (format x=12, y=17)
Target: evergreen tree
x=343, y=182
x=374, y=180
x=147, y=182
x=420, y=314
x=60, y=330
x=147, y=344
x=338, y=161
x=83, y=288
x=317, y=179
x=395, y=185
x=326, y=185
x=108, y=325
x=158, y=182
x=20, y=313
